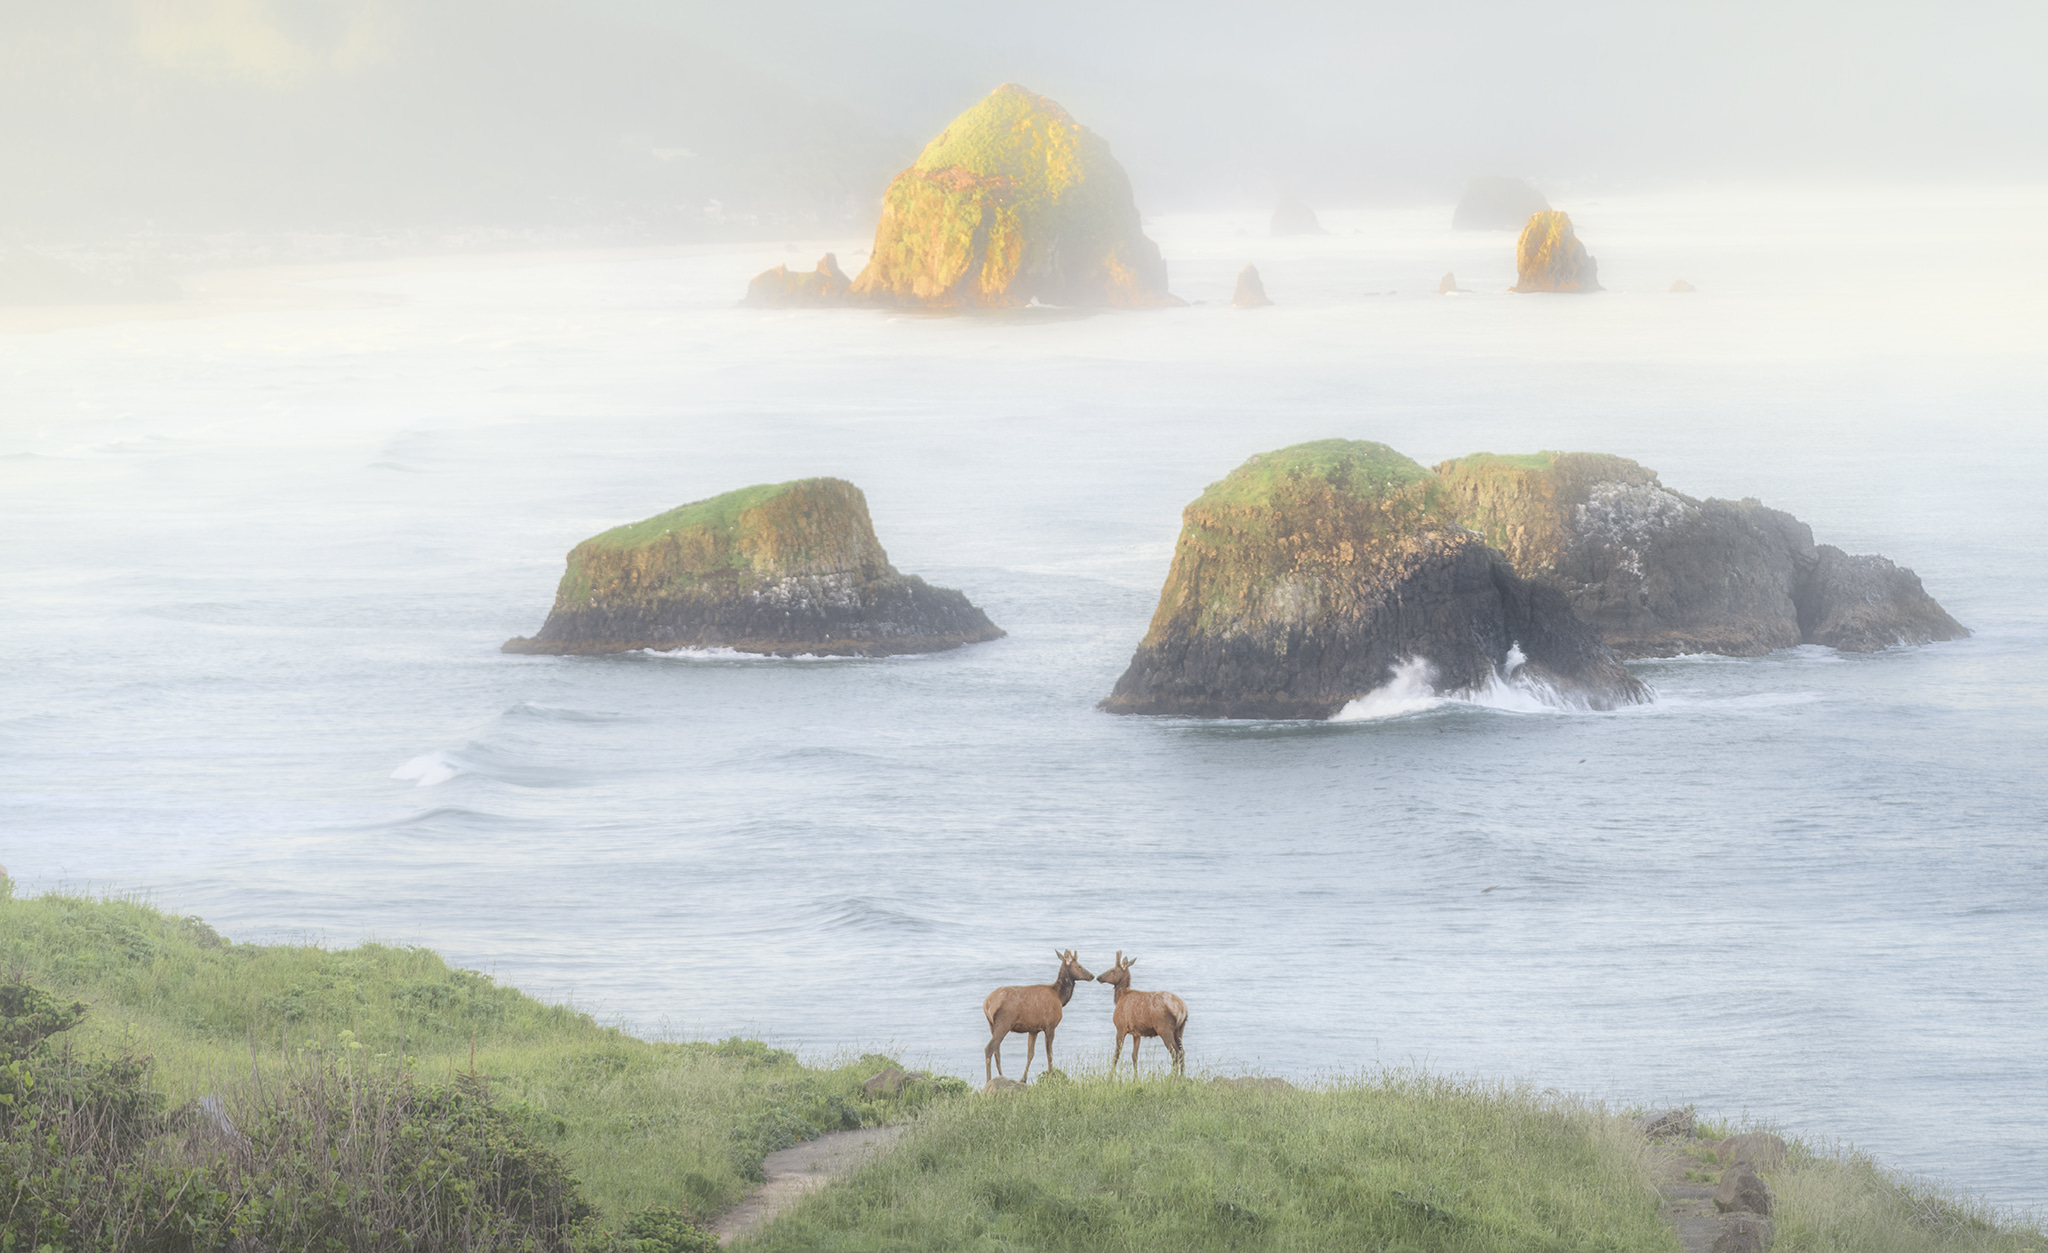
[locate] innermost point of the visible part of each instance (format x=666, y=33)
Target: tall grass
x=1403, y=1162
x=1836, y=1199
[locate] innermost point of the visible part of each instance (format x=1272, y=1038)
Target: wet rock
x=1311, y=576
x=1014, y=201
x=1741, y=1190
x=782, y=287
x=782, y=568
x=1251, y=293
x=1550, y=258
x=1495, y=202
x=1293, y=217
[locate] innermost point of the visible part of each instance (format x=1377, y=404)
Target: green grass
x=718, y=513
x=1363, y=468
x=1486, y=462
x=641, y=1122
x=1407, y=1162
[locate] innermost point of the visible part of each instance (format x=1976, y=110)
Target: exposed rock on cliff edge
x=1494, y=202
x=1014, y=201
x=783, y=568
x=1659, y=573
x=1305, y=578
x=783, y=287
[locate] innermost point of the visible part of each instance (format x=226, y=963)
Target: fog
x=638, y=119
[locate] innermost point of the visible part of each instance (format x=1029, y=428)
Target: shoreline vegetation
x=165, y=1088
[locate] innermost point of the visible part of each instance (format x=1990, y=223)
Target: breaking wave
x=1511, y=688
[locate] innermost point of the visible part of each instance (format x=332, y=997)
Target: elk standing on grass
x=1028, y=1011
x=1139, y=1014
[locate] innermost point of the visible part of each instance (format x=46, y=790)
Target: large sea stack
x=1494, y=202
x=782, y=568
x=1014, y=201
x=1307, y=576
x=1660, y=574
x=1549, y=257
x=783, y=287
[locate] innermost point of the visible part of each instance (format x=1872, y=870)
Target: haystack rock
x=1549, y=257
x=1311, y=576
x=1447, y=284
x=1251, y=293
x=1294, y=217
x=1495, y=202
x=1013, y=202
x=782, y=287
x=1680, y=285
x=1660, y=574
x=782, y=568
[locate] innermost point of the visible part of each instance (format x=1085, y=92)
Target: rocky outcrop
x=1494, y=202
x=1306, y=577
x=1549, y=257
x=1447, y=284
x=1680, y=285
x=1013, y=202
x=784, y=568
x=782, y=287
x=1251, y=292
x=1293, y=217
x=1660, y=574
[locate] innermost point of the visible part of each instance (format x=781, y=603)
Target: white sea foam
x=429, y=769
x=734, y=654
x=1511, y=688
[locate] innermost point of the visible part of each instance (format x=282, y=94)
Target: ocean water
x=258, y=566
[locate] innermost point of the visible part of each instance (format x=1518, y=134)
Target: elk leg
x=1030, y=1049
x=1048, y=1052
x=994, y=1050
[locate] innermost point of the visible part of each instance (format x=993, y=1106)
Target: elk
x=1029, y=1010
x=1139, y=1014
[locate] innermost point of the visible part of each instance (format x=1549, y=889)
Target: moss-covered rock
x=1305, y=577
x=1659, y=573
x=1014, y=201
x=1495, y=202
x=1549, y=257
x=782, y=568
x=782, y=287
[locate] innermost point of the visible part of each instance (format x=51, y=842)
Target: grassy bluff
x=1306, y=577
x=781, y=568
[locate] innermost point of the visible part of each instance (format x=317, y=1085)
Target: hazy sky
x=275, y=110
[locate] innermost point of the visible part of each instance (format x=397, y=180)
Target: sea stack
x=1660, y=574
x=1549, y=257
x=1680, y=285
x=1013, y=202
x=1448, y=284
x=1306, y=577
x=782, y=287
x=1251, y=293
x=1294, y=217
x=781, y=568
x=1495, y=202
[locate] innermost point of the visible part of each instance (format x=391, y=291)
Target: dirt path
x=793, y=1172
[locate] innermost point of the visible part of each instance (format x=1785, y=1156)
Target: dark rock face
x=784, y=569
x=1494, y=202
x=1293, y=217
x=1251, y=292
x=1312, y=576
x=1659, y=573
x=1861, y=604
x=1742, y=1192
x=781, y=287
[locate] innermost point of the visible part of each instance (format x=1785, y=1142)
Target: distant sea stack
x=1294, y=217
x=1448, y=284
x=1251, y=292
x=1549, y=257
x=782, y=568
x=1495, y=202
x=1680, y=285
x=782, y=287
x=1013, y=202
x=1303, y=579
x=1661, y=574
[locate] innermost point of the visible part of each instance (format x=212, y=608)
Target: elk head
x=1071, y=967
x=1118, y=975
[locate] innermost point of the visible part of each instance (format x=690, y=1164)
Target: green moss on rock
x=1013, y=201
x=775, y=568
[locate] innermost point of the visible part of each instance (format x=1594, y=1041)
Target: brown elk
x=1139, y=1014
x=1028, y=1011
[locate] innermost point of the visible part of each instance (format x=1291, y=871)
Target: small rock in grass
x=1759, y=1149
x=1741, y=1191
x=888, y=1083
x=1747, y=1234
x=1000, y=1084
x=1672, y=1122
